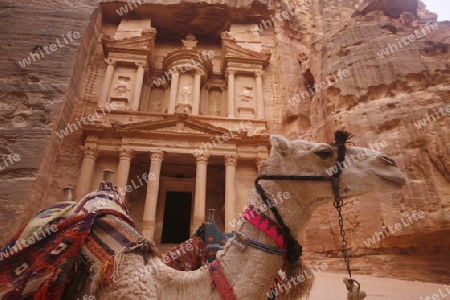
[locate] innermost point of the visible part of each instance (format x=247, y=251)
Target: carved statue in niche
x=215, y=107
x=246, y=96
x=185, y=94
x=155, y=105
x=122, y=89
x=190, y=42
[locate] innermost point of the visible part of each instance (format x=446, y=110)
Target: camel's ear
x=280, y=144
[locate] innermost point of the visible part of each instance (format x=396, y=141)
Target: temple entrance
x=177, y=217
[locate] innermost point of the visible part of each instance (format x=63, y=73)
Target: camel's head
x=365, y=170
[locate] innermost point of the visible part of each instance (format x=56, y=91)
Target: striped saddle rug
x=42, y=258
x=199, y=250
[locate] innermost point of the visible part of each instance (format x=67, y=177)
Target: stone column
x=173, y=91
x=259, y=95
x=230, y=191
x=106, y=86
x=200, y=190
x=123, y=169
x=197, y=89
x=138, y=87
x=86, y=172
x=231, y=91
x=148, y=226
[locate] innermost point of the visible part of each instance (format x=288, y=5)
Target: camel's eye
x=323, y=153
x=388, y=160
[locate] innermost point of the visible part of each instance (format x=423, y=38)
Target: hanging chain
x=338, y=203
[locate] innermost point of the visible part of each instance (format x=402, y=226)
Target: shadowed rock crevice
x=391, y=8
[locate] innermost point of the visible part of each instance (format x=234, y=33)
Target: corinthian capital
x=89, y=152
x=125, y=154
x=231, y=160
x=230, y=71
x=202, y=158
x=157, y=156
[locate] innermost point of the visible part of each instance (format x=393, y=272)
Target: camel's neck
x=291, y=200
x=252, y=270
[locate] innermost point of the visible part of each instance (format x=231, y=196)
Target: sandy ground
x=329, y=286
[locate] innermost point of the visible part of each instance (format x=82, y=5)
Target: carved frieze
x=179, y=128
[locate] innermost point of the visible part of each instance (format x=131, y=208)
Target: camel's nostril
x=388, y=160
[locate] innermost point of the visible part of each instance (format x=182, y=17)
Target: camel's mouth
x=354, y=190
x=392, y=180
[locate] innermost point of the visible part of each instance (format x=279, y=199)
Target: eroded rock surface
x=393, y=88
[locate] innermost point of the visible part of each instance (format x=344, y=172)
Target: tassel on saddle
x=354, y=292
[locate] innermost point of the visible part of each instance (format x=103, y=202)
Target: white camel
x=250, y=272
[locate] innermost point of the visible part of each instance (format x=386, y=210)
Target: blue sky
x=441, y=7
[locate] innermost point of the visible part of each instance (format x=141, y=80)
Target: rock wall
x=37, y=98
x=384, y=98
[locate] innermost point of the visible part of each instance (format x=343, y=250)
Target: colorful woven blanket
x=215, y=240
x=40, y=260
x=202, y=247
x=188, y=256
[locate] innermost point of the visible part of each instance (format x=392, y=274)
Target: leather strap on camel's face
x=294, y=250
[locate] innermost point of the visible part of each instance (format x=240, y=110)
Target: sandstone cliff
x=384, y=98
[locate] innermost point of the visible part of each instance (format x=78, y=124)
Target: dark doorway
x=177, y=217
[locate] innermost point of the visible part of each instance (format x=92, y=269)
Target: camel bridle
x=294, y=250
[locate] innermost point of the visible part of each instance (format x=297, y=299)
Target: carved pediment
x=232, y=52
x=175, y=125
x=139, y=45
